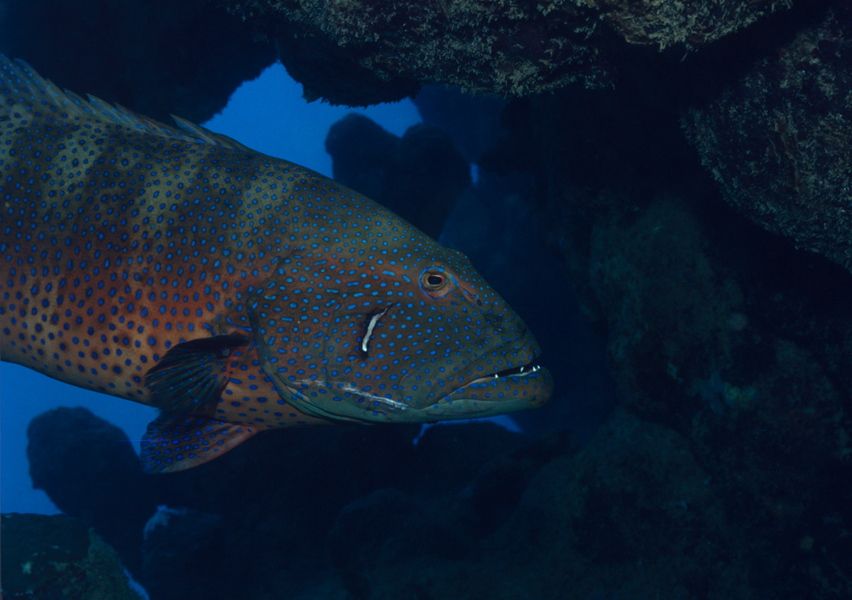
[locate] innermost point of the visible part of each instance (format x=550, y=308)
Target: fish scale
x=234, y=291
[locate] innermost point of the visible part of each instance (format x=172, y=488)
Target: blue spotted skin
x=122, y=238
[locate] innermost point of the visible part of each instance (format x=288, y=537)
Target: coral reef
x=715, y=328
x=508, y=48
x=185, y=58
x=511, y=47
x=749, y=391
x=664, y=24
x=631, y=515
x=779, y=139
x=727, y=470
x=469, y=511
x=57, y=557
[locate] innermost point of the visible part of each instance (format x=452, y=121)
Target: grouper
x=235, y=292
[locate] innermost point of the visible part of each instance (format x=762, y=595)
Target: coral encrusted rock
x=359, y=51
x=779, y=141
x=49, y=557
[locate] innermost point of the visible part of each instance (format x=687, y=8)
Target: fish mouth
x=505, y=391
x=508, y=390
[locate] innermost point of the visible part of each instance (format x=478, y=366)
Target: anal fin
x=178, y=442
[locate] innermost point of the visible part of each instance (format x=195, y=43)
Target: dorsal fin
x=207, y=135
x=33, y=97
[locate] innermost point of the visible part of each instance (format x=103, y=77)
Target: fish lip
x=453, y=405
x=456, y=404
x=527, y=351
x=525, y=370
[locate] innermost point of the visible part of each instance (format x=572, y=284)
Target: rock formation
x=96, y=476
x=778, y=140
x=369, y=51
x=418, y=176
x=158, y=58
x=58, y=557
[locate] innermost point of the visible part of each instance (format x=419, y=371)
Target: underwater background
x=662, y=192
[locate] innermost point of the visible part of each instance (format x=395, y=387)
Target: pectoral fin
x=177, y=442
x=191, y=376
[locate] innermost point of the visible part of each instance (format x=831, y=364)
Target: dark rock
x=185, y=58
x=692, y=333
x=157, y=58
x=387, y=527
x=327, y=71
x=464, y=482
x=448, y=457
x=362, y=152
x=428, y=177
x=304, y=460
x=58, y=558
x=779, y=140
x=714, y=327
x=512, y=48
x=496, y=490
x=275, y=499
x=632, y=515
x=506, y=50
x=89, y=469
x=471, y=121
x=418, y=176
x=473, y=511
x=181, y=548
x=302, y=493
x=663, y=24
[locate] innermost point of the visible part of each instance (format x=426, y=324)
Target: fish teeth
x=530, y=370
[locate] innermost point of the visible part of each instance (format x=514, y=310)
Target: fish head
x=410, y=336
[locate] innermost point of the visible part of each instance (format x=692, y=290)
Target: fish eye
x=434, y=282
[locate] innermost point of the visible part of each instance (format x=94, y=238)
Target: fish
x=233, y=291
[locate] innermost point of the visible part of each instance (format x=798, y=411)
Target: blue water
x=267, y=114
